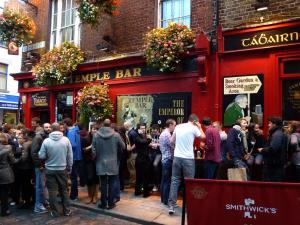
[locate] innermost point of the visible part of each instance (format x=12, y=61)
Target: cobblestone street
x=79, y=217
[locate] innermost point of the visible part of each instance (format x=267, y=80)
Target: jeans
x=4, y=197
x=116, y=188
x=57, y=181
x=210, y=169
x=76, y=172
x=107, y=189
x=180, y=166
x=40, y=188
x=166, y=181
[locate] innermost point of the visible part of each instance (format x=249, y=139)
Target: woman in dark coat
x=6, y=173
x=142, y=162
x=92, y=180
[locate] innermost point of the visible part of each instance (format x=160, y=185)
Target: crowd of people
x=37, y=166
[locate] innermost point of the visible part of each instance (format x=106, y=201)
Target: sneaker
x=171, y=210
x=12, y=203
x=68, y=212
x=40, y=210
x=155, y=189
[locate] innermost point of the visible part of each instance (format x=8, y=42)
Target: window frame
x=160, y=9
x=56, y=34
x=6, y=76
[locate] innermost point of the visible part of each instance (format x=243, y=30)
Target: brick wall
x=40, y=17
x=241, y=13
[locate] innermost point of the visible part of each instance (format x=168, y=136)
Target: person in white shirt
x=183, y=163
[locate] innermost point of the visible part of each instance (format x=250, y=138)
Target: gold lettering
x=127, y=73
x=244, y=42
x=284, y=37
x=137, y=72
x=178, y=103
x=254, y=41
x=93, y=76
x=99, y=77
x=119, y=74
x=262, y=39
x=296, y=36
x=180, y=120
x=277, y=38
x=85, y=77
x=106, y=75
x=78, y=79
x=271, y=40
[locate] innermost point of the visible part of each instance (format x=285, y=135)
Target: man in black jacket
x=274, y=152
x=39, y=168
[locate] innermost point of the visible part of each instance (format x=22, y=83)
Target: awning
x=9, y=101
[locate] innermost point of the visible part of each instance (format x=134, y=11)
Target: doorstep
x=134, y=208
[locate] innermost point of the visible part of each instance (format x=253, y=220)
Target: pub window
x=291, y=66
x=3, y=77
x=65, y=23
x=64, y=105
x=178, y=11
x=291, y=99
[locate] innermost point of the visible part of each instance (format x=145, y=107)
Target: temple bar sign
x=241, y=85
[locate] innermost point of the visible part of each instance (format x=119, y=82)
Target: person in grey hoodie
x=106, y=146
x=58, y=155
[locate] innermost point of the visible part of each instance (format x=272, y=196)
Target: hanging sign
x=243, y=98
x=40, y=99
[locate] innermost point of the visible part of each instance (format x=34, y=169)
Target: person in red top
x=213, y=149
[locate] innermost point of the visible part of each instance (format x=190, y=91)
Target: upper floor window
x=65, y=23
x=178, y=11
x=3, y=77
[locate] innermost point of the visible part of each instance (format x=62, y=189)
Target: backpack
x=74, y=138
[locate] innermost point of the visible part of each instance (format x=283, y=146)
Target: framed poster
x=153, y=108
x=291, y=99
x=243, y=97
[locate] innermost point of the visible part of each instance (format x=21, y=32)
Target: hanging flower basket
x=94, y=102
x=16, y=27
x=164, y=47
x=91, y=10
x=56, y=65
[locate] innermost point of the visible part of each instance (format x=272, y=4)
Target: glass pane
x=64, y=5
x=55, y=7
x=67, y=18
x=73, y=16
x=53, y=38
x=166, y=10
x=63, y=35
x=2, y=82
x=291, y=66
x=68, y=4
x=54, y=24
x=176, y=8
x=72, y=32
x=3, y=68
x=186, y=8
x=63, y=19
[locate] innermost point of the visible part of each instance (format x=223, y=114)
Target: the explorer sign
x=241, y=85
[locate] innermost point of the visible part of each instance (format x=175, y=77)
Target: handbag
x=237, y=174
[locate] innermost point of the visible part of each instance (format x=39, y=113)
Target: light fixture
x=262, y=5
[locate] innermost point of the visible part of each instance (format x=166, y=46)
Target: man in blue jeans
x=167, y=152
x=72, y=133
x=37, y=142
x=184, y=136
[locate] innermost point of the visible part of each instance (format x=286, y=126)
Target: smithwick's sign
x=242, y=203
x=262, y=39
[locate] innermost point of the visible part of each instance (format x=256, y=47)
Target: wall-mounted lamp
x=262, y=5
